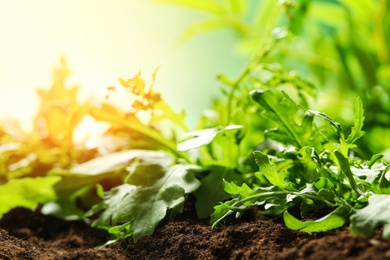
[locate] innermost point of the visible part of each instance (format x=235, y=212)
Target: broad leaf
x=27, y=192
x=376, y=213
x=95, y=170
x=143, y=207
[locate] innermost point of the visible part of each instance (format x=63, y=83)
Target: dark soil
x=25, y=234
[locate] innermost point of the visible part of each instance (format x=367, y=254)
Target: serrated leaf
x=243, y=190
x=376, y=213
x=145, y=206
x=167, y=113
x=270, y=172
x=284, y=113
x=358, y=122
x=271, y=198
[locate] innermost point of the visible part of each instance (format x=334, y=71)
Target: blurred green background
x=102, y=41
x=341, y=46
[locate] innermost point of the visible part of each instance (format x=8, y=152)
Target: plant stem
x=263, y=48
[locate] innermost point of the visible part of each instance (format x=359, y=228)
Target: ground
x=26, y=234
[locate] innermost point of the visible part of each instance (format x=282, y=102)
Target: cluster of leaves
x=261, y=146
x=341, y=45
x=134, y=176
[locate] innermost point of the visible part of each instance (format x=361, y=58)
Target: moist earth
x=26, y=234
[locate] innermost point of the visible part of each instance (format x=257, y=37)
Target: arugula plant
x=259, y=146
x=340, y=45
x=311, y=170
x=306, y=157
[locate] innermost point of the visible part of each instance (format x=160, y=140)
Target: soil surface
x=25, y=234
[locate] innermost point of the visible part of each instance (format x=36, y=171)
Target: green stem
x=263, y=48
x=273, y=193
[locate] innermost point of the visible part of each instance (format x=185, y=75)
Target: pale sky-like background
x=103, y=40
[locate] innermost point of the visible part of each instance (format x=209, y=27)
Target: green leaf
x=335, y=219
x=114, y=161
x=346, y=169
x=376, y=213
x=211, y=190
x=374, y=159
x=222, y=211
x=381, y=185
x=244, y=191
x=145, y=206
x=71, y=205
x=272, y=199
x=276, y=178
x=283, y=113
x=309, y=160
x=153, y=136
x=358, y=121
x=95, y=170
x=196, y=139
x=27, y=192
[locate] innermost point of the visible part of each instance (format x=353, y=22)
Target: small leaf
x=376, y=213
x=374, y=159
x=275, y=177
x=356, y=131
x=203, y=137
x=197, y=139
x=346, y=169
x=381, y=185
